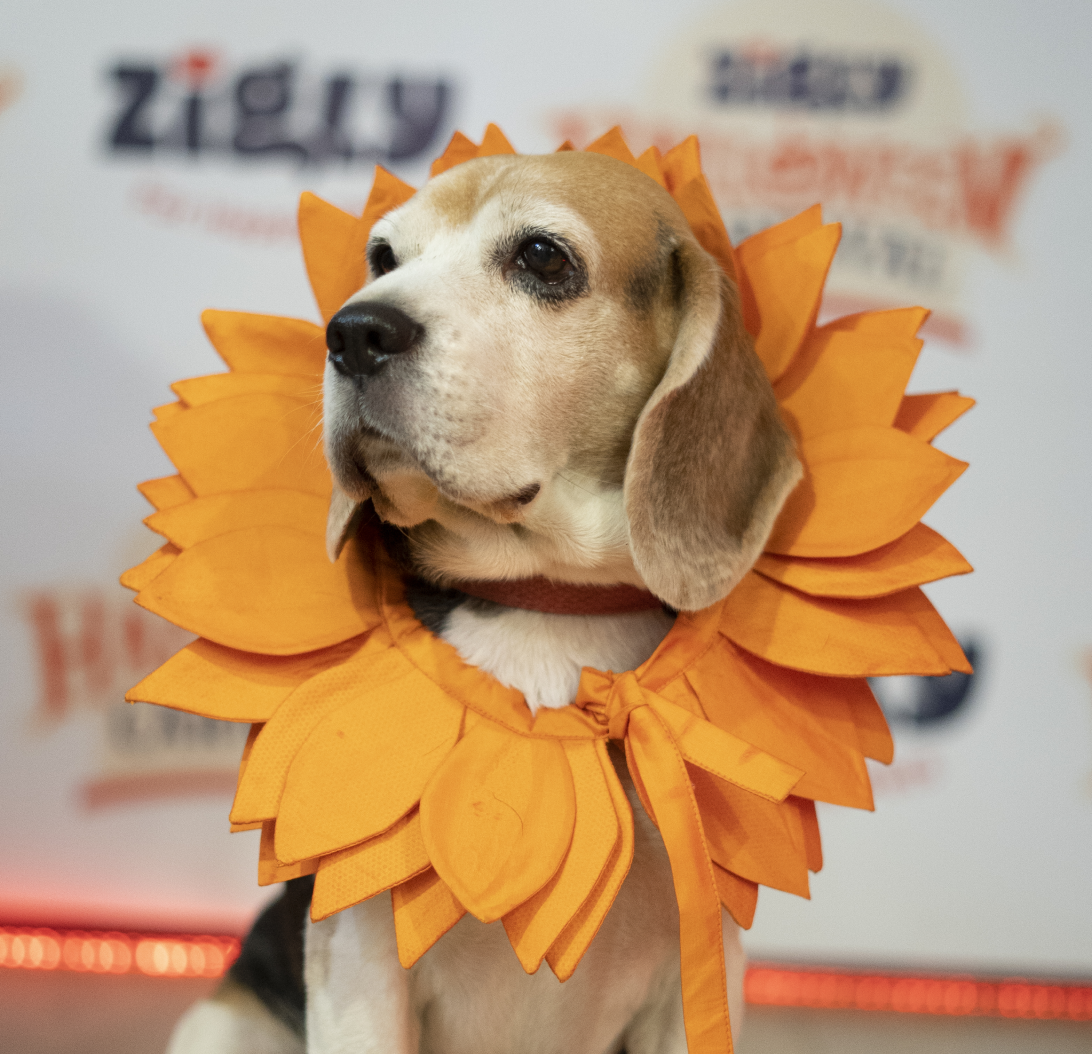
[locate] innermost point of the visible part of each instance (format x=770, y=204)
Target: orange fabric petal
x=251, y=343
x=939, y=635
x=862, y=488
x=784, y=233
x=424, y=910
x=919, y=556
x=270, y=590
x=841, y=638
x=229, y=685
x=458, y=150
x=535, y=924
x=681, y=163
x=895, y=323
x=144, y=574
x=926, y=416
x=166, y=492
x=199, y=390
x=613, y=144
x=167, y=410
x=355, y=874
x=248, y=442
x=649, y=164
x=752, y=248
x=204, y=518
x=389, y=752
x=387, y=193
x=756, y=839
x=799, y=717
x=498, y=818
x=738, y=895
x=696, y=201
x=787, y=282
x=809, y=823
x=494, y=142
x=375, y=664
x=872, y=731
x=334, y=244
x=266, y=343
x=248, y=747
x=270, y=869
x=790, y=699
x=845, y=379
x=567, y=951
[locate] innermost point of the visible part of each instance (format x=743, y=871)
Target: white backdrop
x=979, y=854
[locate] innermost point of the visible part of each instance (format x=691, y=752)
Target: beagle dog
x=544, y=376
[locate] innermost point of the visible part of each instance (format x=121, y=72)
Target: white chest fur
x=541, y=655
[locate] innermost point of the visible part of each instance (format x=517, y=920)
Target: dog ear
x=341, y=522
x=711, y=462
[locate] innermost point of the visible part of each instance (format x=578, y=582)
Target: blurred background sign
x=854, y=105
x=150, y=164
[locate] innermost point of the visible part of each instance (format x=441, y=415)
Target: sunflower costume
x=748, y=713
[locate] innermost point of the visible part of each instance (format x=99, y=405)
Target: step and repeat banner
x=150, y=164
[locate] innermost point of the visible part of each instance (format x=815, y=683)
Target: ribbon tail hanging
x=704, y=984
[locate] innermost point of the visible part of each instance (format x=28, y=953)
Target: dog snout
x=362, y=337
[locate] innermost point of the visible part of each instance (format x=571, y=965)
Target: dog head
x=545, y=374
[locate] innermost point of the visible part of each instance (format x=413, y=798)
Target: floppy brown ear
x=341, y=522
x=711, y=462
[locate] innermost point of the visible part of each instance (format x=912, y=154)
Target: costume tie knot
x=610, y=699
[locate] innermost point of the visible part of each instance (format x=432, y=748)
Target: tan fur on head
x=633, y=411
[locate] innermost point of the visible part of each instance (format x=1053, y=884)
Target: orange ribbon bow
x=660, y=739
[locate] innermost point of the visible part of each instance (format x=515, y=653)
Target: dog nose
x=362, y=337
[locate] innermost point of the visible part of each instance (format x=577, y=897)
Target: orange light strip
x=768, y=984
x=99, y=951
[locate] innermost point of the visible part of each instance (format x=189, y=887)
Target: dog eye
x=383, y=260
x=545, y=260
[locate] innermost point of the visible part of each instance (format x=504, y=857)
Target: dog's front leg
x=358, y=996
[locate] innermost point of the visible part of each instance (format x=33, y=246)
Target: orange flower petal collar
x=748, y=713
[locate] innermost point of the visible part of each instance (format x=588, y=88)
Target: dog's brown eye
x=546, y=260
x=383, y=260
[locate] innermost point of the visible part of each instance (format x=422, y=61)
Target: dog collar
x=562, y=598
x=747, y=713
